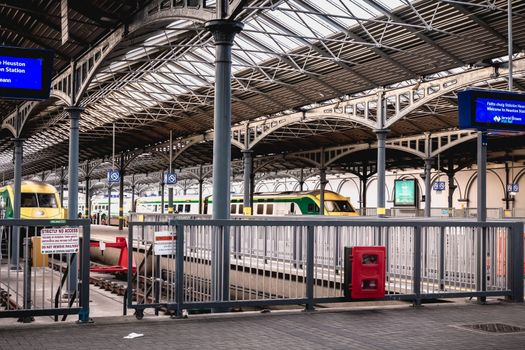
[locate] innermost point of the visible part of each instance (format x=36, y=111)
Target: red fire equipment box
x=365, y=272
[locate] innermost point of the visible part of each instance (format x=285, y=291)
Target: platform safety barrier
x=232, y=263
x=35, y=284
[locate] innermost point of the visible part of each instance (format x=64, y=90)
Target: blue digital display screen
x=491, y=110
x=25, y=73
x=498, y=111
x=20, y=73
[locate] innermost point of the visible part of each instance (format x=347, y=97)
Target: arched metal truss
x=362, y=111
x=292, y=81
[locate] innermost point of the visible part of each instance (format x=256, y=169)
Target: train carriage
x=264, y=204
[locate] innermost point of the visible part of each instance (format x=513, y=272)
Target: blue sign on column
x=170, y=178
x=513, y=188
x=438, y=186
x=113, y=176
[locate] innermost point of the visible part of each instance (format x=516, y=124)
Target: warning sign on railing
x=164, y=243
x=59, y=240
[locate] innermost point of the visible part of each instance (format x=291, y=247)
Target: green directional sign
x=405, y=193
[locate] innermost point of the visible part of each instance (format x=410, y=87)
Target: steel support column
x=15, y=236
x=133, y=205
x=162, y=184
x=507, y=182
x=451, y=189
x=170, y=200
x=223, y=33
x=363, y=180
x=301, y=180
x=62, y=183
x=482, y=176
x=482, y=213
x=110, y=188
x=87, y=209
x=201, y=182
x=121, y=195
x=72, y=187
x=248, y=168
x=428, y=186
x=381, y=172
x=322, y=186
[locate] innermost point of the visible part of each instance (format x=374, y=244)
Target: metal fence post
x=130, y=293
x=295, y=255
x=481, y=263
x=84, y=273
x=336, y=250
x=442, y=259
x=310, y=268
x=417, y=265
x=27, y=280
x=515, y=262
x=179, y=269
x=157, y=284
x=226, y=263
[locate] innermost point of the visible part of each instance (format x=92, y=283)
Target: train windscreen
x=339, y=206
x=38, y=200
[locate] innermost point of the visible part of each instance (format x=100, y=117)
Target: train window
x=292, y=208
x=28, y=200
x=339, y=206
x=269, y=209
x=313, y=208
x=187, y=208
x=260, y=209
x=179, y=208
x=241, y=207
x=233, y=208
x=36, y=200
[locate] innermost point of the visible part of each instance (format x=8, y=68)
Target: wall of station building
x=465, y=194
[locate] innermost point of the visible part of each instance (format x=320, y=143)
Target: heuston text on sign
x=59, y=240
x=25, y=73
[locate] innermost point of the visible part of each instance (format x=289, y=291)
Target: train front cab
x=296, y=203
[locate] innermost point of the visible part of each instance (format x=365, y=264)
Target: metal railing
x=35, y=284
x=465, y=213
x=232, y=263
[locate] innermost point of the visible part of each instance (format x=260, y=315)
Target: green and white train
x=285, y=203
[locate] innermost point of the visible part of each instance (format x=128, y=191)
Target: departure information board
x=491, y=110
x=25, y=73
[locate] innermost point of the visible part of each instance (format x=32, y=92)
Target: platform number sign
x=439, y=185
x=513, y=188
x=113, y=176
x=170, y=179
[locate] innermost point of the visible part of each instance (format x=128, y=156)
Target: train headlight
x=39, y=213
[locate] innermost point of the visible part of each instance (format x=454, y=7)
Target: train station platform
x=437, y=326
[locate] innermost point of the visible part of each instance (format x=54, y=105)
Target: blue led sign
x=20, y=73
x=491, y=110
x=25, y=73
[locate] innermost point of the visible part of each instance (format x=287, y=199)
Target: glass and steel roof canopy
x=291, y=56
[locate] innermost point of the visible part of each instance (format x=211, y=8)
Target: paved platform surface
x=429, y=327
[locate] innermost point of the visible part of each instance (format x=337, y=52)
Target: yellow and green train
x=38, y=201
x=278, y=204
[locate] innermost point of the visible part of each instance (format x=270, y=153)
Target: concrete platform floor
x=401, y=327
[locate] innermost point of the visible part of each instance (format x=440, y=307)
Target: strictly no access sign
x=59, y=240
x=165, y=243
